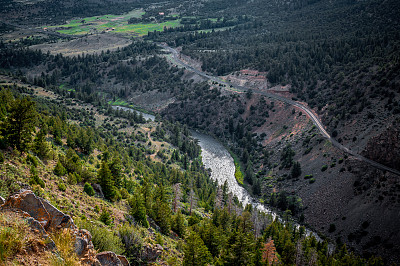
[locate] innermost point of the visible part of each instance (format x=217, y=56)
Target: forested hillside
x=140, y=187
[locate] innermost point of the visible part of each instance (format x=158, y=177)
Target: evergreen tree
x=138, y=210
x=59, y=169
x=20, y=123
x=40, y=146
x=196, y=253
x=104, y=178
x=179, y=224
x=296, y=170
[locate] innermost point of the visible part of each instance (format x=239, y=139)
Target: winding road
x=176, y=60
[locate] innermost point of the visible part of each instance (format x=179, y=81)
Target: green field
x=112, y=23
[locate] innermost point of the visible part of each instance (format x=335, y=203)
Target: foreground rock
x=45, y=218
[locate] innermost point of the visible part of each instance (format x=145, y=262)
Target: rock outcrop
x=108, y=258
x=45, y=218
x=151, y=252
x=385, y=148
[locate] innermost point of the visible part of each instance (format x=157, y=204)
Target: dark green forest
x=340, y=57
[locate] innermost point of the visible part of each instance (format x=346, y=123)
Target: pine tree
x=138, y=210
x=104, y=178
x=20, y=124
x=40, y=146
x=196, y=253
x=296, y=170
x=179, y=224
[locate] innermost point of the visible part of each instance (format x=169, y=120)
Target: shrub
x=132, y=242
x=61, y=186
x=312, y=180
x=12, y=236
x=1, y=157
x=102, y=238
x=324, y=168
x=88, y=189
x=36, y=180
x=72, y=180
x=105, y=217
x=64, y=241
x=32, y=159
x=59, y=169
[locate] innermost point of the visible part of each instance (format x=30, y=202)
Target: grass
x=238, y=174
x=115, y=23
x=12, y=236
x=118, y=102
x=143, y=29
x=64, y=241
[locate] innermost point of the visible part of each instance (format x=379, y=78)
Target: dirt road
x=176, y=60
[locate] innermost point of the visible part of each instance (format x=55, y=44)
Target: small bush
x=64, y=241
x=61, y=186
x=88, y=189
x=312, y=180
x=133, y=243
x=102, y=238
x=12, y=236
x=308, y=176
x=324, y=168
x=59, y=169
x=32, y=159
x=72, y=179
x=105, y=217
x=36, y=180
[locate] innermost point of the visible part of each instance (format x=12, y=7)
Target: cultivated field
x=111, y=23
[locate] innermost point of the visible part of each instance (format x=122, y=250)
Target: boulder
x=80, y=245
x=2, y=200
x=38, y=226
x=44, y=217
x=123, y=260
x=151, y=253
x=57, y=218
x=108, y=258
x=28, y=202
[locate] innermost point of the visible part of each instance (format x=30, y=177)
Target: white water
x=217, y=158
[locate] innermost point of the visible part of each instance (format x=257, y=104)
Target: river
x=217, y=158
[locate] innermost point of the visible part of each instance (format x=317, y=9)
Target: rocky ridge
x=46, y=219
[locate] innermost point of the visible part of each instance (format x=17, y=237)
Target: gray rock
x=38, y=226
x=151, y=253
x=28, y=202
x=108, y=258
x=123, y=260
x=80, y=245
x=57, y=218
